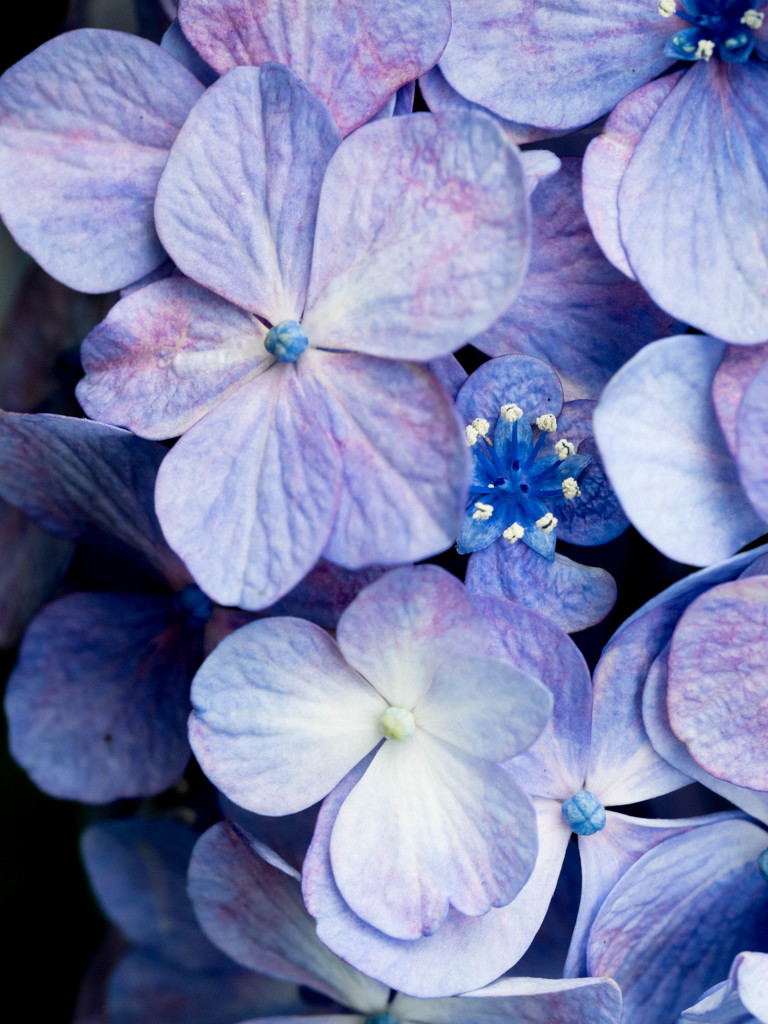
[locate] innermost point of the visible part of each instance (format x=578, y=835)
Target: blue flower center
x=724, y=27
x=194, y=606
x=286, y=341
x=584, y=814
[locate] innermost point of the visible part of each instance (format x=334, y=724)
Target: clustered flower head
x=304, y=556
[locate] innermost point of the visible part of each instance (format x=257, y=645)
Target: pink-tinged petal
x=251, y=908
x=656, y=719
x=529, y=383
x=573, y=596
x=555, y=765
x=665, y=454
x=704, y=260
x=279, y=717
x=623, y=766
x=467, y=951
x=86, y=481
x=167, y=355
x=236, y=203
x=98, y=702
x=248, y=495
x=426, y=828
x=717, y=692
x=607, y=158
x=422, y=236
x=575, y=311
x=175, y=42
x=86, y=122
x=400, y=629
x=352, y=55
x=439, y=96
x=751, y=436
x=553, y=65
x=751, y=970
x=738, y=368
x=404, y=463
x=703, y=900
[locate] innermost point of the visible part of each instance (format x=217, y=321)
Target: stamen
x=483, y=512
x=570, y=488
x=753, y=19
x=564, y=448
x=471, y=435
x=397, y=724
x=547, y=422
x=513, y=533
x=547, y=523
x=511, y=412
x=667, y=8
x=705, y=49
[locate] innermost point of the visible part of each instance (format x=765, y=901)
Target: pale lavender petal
x=167, y=355
x=86, y=122
x=573, y=596
x=575, y=311
x=98, y=701
x=422, y=236
x=746, y=989
x=551, y=65
x=704, y=260
x=449, y=372
x=325, y=592
x=251, y=908
x=426, y=828
x=607, y=158
x=751, y=436
x=529, y=383
x=716, y=690
x=704, y=900
x=401, y=628
x=175, y=42
x=738, y=368
x=236, y=203
x=539, y=165
x=665, y=454
x=404, y=463
x=352, y=55
x=248, y=495
x=751, y=969
x=279, y=717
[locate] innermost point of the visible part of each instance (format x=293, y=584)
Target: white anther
x=564, y=448
x=482, y=511
x=570, y=488
x=471, y=434
x=667, y=8
x=481, y=426
x=511, y=412
x=547, y=422
x=705, y=49
x=547, y=523
x=513, y=533
x=753, y=19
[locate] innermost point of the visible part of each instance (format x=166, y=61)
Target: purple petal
x=550, y=65
x=351, y=55
x=745, y=989
x=751, y=969
x=238, y=197
x=422, y=236
x=279, y=717
x=751, y=434
x=716, y=694
x=325, y=592
x=166, y=355
x=575, y=311
x=705, y=260
x=529, y=383
x=739, y=366
x=606, y=160
x=248, y=495
x=176, y=44
x=449, y=372
x=573, y=596
x=86, y=122
x=251, y=908
x=403, y=459
x=98, y=701
x=665, y=455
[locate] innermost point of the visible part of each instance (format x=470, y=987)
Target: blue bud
x=286, y=341
x=194, y=605
x=584, y=814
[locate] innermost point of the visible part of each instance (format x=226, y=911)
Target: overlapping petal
x=751, y=434
x=746, y=988
x=739, y=366
x=529, y=383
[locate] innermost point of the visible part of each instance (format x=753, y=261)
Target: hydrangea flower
x=303, y=435
x=283, y=714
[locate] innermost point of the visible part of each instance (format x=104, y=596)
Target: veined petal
x=747, y=983
x=739, y=366
x=529, y=383
x=751, y=436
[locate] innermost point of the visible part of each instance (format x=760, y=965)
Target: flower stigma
x=583, y=813
x=286, y=341
x=397, y=724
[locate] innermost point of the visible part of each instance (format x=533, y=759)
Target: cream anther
x=481, y=426
x=547, y=422
x=511, y=412
x=570, y=488
x=667, y=8
x=513, y=533
x=753, y=19
x=705, y=49
x=397, y=724
x=564, y=448
x=547, y=523
x=471, y=435
x=482, y=511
